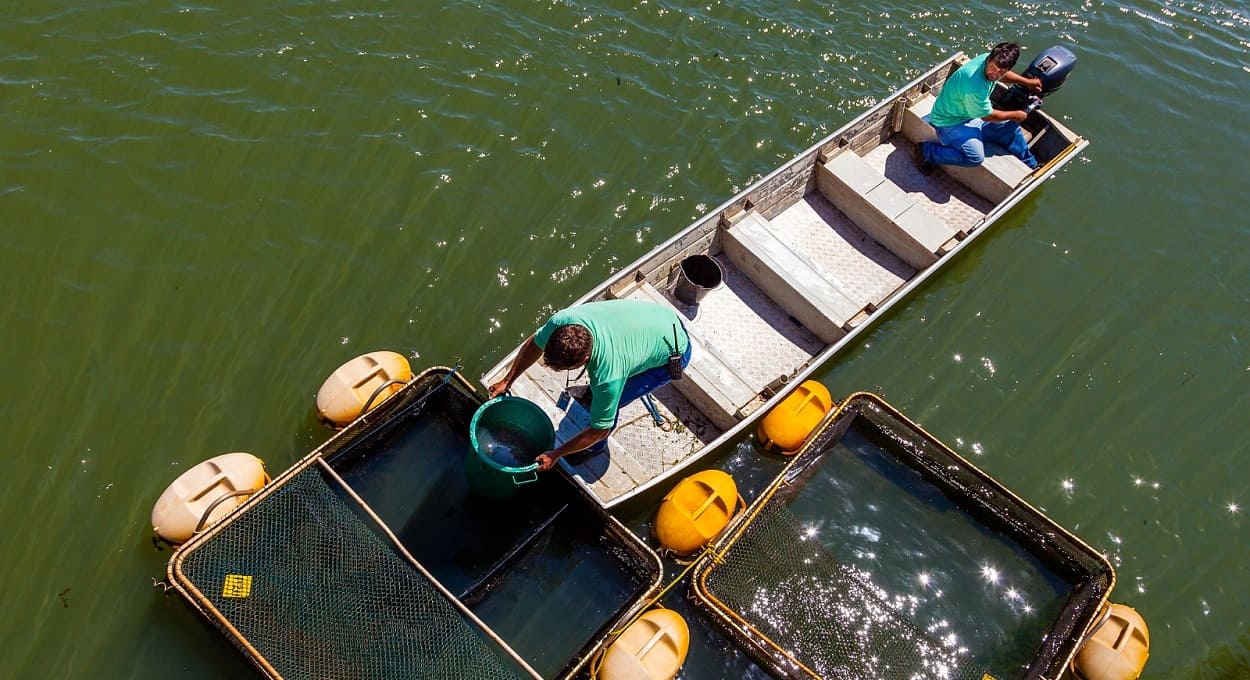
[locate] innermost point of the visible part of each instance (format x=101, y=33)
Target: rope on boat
x=660, y=421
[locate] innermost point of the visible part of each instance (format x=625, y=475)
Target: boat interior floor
x=940, y=193
x=638, y=449
x=793, y=284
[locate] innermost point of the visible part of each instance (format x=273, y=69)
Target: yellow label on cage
x=236, y=585
x=987, y=676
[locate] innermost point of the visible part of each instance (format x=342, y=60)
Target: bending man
x=625, y=346
x=965, y=120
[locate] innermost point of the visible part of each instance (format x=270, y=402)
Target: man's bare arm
x=529, y=353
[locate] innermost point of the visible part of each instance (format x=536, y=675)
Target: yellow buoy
x=1118, y=648
x=787, y=426
x=652, y=648
x=205, y=493
x=366, y=380
x=695, y=511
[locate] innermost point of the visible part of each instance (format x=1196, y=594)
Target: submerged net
x=821, y=617
x=309, y=589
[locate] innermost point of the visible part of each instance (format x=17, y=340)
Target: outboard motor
x=1052, y=67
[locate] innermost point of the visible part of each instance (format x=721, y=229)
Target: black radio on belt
x=674, y=358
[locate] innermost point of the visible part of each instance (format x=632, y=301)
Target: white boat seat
x=788, y=279
x=710, y=381
x=993, y=180
x=885, y=212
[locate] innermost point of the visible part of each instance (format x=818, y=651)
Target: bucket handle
x=532, y=469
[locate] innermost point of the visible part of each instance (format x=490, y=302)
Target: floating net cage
x=803, y=611
x=309, y=582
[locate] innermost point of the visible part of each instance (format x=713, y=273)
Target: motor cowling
x=1052, y=66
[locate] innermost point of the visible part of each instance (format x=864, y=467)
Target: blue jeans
x=964, y=144
x=639, y=384
x=649, y=381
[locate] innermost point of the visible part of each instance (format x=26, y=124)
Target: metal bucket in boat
x=696, y=277
x=507, y=433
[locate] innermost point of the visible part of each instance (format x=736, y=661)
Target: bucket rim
x=477, y=450
x=700, y=259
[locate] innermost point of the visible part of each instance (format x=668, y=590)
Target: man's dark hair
x=567, y=347
x=1005, y=54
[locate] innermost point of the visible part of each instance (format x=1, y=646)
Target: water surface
x=205, y=209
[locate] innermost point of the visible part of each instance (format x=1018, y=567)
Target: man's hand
x=545, y=461
x=997, y=116
x=498, y=388
x=526, y=356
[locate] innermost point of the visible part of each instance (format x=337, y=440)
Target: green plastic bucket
x=507, y=433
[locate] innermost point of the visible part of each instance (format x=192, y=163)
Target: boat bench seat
x=789, y=279
x=885, y=212
x=993, y=180
x=710, y=381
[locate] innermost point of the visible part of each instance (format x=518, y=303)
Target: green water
x=206, y=208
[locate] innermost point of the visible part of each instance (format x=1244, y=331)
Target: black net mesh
x=820, y=611
x=315, y=592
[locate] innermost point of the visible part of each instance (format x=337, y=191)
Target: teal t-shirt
x=966, y=95
x=629, y=337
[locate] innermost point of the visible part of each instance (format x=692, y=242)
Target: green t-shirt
x=629, y=337
x=966, y=95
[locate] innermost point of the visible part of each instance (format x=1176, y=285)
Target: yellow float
x=652, y=648
x=205, y=494
x=696, y=511
x=1117, y=650
x=787, y=426
x=361, y=384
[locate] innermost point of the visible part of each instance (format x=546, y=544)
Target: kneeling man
x=625, y=346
